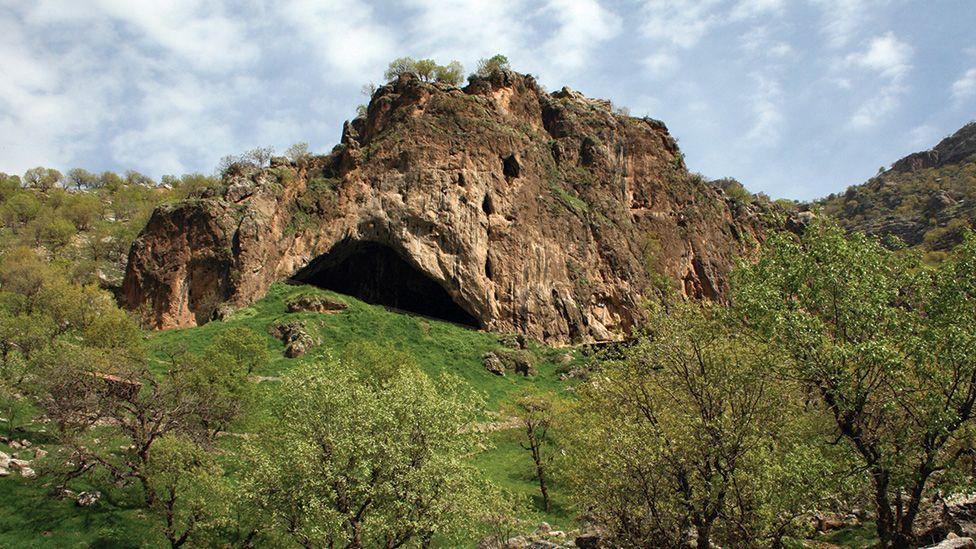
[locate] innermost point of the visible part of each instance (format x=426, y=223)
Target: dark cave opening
x=376, y=274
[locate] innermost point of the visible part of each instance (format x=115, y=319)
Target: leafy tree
x=537, y=415
x=298, y=153
x=82, y=210
x=491, y=65
x=364, y=453
x=888, y=347
x=425, y=69
x=452, y=73
x=190, y=493
x=398, y=67
x=687, y=436
x=53, y=230
x=42, y=179
x=20, y=209
x=245, y=347
x=81, y=179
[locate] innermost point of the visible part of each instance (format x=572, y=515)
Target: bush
x=492, y=65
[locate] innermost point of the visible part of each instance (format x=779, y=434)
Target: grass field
x=29, y=517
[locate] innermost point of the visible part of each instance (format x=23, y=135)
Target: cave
x=377, y=274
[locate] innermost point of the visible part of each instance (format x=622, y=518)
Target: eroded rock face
x=515, y=210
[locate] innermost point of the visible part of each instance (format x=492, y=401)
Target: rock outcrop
x=498, y=205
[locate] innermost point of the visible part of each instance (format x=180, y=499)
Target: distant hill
x=926, y=199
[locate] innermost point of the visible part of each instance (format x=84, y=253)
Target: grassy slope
x=29, y=518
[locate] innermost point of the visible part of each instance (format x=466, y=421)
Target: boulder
x=314, y=304
x=295, y=337
x=493, y=364
x=87, y=499
x=952, y=541
x=4, y=472
x=27, y=472
x=954, y=514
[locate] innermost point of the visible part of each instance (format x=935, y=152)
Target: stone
x=954, y=514
x=39, y=453
x=295, y=337
x=493, y=364
x=27, y=472
x=87, y=499
x=952, y=541
x=16, y=445
x=314, y=304
x=498, y=206
x=17, y=464
x=4, y=472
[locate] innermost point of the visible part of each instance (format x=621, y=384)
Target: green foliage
x=365, y=453
x=689, y=433
x=42, y=179
x=492, y=65
x=425, y=69
x=887, y=346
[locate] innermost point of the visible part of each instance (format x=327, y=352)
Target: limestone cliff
x=497, y=205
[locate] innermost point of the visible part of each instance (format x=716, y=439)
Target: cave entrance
x=376, y=274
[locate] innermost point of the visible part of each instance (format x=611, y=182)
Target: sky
x=794, y=98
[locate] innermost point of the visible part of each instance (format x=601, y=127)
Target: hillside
x=925, y=199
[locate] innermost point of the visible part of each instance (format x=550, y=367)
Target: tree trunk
x=704, y=536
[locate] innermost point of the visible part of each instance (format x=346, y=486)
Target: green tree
x=491, y=65
x=888, y=347
x=20, y=209
x=452, y=73
x=537, y=416
x=685, y=435
x=82, y=209
x=399, y=66
x=425, y=69
x=365, y=453
x=81, y=179
x=190, y=493
x=42, y=179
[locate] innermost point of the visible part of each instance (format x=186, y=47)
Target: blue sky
x=795, y=98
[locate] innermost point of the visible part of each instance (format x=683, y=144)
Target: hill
x=925, y=199
x=497, y=205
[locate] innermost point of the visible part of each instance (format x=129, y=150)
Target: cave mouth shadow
x=377, y=274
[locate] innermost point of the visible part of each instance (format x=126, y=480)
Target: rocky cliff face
x=497, y=205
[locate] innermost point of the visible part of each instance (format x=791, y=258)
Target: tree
x=536, y=415
x=425, y=69
x=245, y=347
x=452, y=73
x=298, y=153
x=81, y=179
x=491, y=65
x=888, y=348
x=82, y=210
x=42, y=179
x=397, y=67
x=190, y=492
x=21, y=208
x=364, y=452
x=682, y=438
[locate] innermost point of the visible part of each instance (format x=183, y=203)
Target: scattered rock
x=4, y=472
x=87, y=499
x=314, y=304
x=17, y=464
x=952, y=541
x=39, y=453
x=27, y=472
x=293, y=334
x=954, y=514
x=16, y=445
x=493, y=364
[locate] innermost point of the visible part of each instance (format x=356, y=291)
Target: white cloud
x=468, y=30
x=745, y=9
x=681, y=23
x=758, y=41
x=344, y=34
x=844, y=19
x=885, y=54
x=582, y=25
x=661, y=64
x=890, y=58
x=965, y=87
x=767, y=125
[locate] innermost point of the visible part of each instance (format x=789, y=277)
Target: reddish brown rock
x=498, y=205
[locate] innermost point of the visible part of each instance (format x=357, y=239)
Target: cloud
x=844, y=19
x=746, y=9
x=467, y=30
x=890, y=58
x=885, y=54
x=344, y=34
x=582, y=26
x=965, y=87
x=767, y=125
x=661, y=63
x=681, y=23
